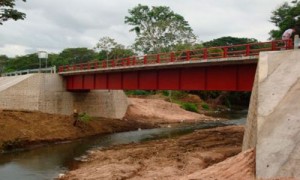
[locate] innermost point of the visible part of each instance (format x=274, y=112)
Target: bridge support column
x=101, y=103
x=273, y=125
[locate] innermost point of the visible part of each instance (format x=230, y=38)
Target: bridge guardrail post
x=128, y=61
x=225, y=52
x=273, y=44
x=112, y=63
x=247, y=50
x=145, y=59
x=172, y=56
x=158, y=58
x=133, y=60
x=123, y=62
x=188, y=55
x=205, y=53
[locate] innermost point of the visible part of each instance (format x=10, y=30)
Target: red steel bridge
x=228, y=68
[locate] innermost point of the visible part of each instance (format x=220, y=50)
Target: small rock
x=61, y=175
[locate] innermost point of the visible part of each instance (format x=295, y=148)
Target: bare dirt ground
x=158, y=111
x=187, y=157
x=20, y=129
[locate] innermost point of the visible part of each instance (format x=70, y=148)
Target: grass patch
x=84, y=117
x=189, y=107
x=138, y=92
x=205, y=106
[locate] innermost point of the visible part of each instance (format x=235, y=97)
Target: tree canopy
x=285, y=17
x=7, y=11
x=109, y=49
x=227, y=41
x=74, y=56
x=158, y=28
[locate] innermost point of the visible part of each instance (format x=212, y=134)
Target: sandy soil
x=23, y=128
x=158, y=111
x=179, y=158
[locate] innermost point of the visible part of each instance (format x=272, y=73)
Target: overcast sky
x=54, y=25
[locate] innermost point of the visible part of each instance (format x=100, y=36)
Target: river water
x=49, y=161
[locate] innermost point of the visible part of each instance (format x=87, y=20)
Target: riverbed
x=49, y=161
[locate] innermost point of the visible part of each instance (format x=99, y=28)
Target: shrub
x=138, y=92
x=205, y=106
x=84, y=117
x=165, y=93
x=190, y=107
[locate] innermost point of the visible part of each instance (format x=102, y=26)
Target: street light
x=42, y=55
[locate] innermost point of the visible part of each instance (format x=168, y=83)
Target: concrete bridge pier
x=46, y=93
x=273, y=124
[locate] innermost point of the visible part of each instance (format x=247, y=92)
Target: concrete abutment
x=273, y=122
x=46, y=93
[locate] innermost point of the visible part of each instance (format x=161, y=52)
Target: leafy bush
x=205, y=106
x=190, y=107
x=84, y=117
x=138, y=92
x=165, y=93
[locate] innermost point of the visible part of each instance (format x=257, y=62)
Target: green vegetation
x=158, y=29
x=84, y=117
x=285, y=17
x=205, y=106
x=109, y=49
x=189, y=107
x=139, y=92
x=8, y=12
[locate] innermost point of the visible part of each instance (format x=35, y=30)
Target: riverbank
x=164, y=159
x=157, y=111
x=22, y=129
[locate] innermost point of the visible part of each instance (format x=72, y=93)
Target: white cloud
x=13, y=49
x=53, y=25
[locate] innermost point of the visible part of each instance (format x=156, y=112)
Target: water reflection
x=48, y=161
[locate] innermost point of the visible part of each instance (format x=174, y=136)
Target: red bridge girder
x=238, y=77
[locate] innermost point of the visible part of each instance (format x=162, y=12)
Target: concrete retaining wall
x=275, y=107
x=46, y=93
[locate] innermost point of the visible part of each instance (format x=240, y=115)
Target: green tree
x=105, y=45
x=228, y=40
x=121, y=52
x=7, y=11
x=158, y=28
x=3, y=61
x=110, y=49
x=74, y=56
x=18, y=63
x=285, y=17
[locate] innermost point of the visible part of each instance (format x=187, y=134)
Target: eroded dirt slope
x=162, y=159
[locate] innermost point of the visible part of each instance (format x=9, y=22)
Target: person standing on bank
x=75, y=117
x=288, y=34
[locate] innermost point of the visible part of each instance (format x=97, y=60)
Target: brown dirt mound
x=162, y=159
x=23, y=128
x=159, y=111
x=240, y=166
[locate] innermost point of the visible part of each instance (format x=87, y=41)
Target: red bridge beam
x=226, y=78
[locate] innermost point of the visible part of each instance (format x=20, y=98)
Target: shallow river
x=48, y=161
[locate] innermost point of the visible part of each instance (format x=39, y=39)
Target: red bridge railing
x=242, y=50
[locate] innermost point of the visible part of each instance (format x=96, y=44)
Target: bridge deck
x=229, y=68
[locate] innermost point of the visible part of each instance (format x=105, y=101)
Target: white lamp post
x=42, y=55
